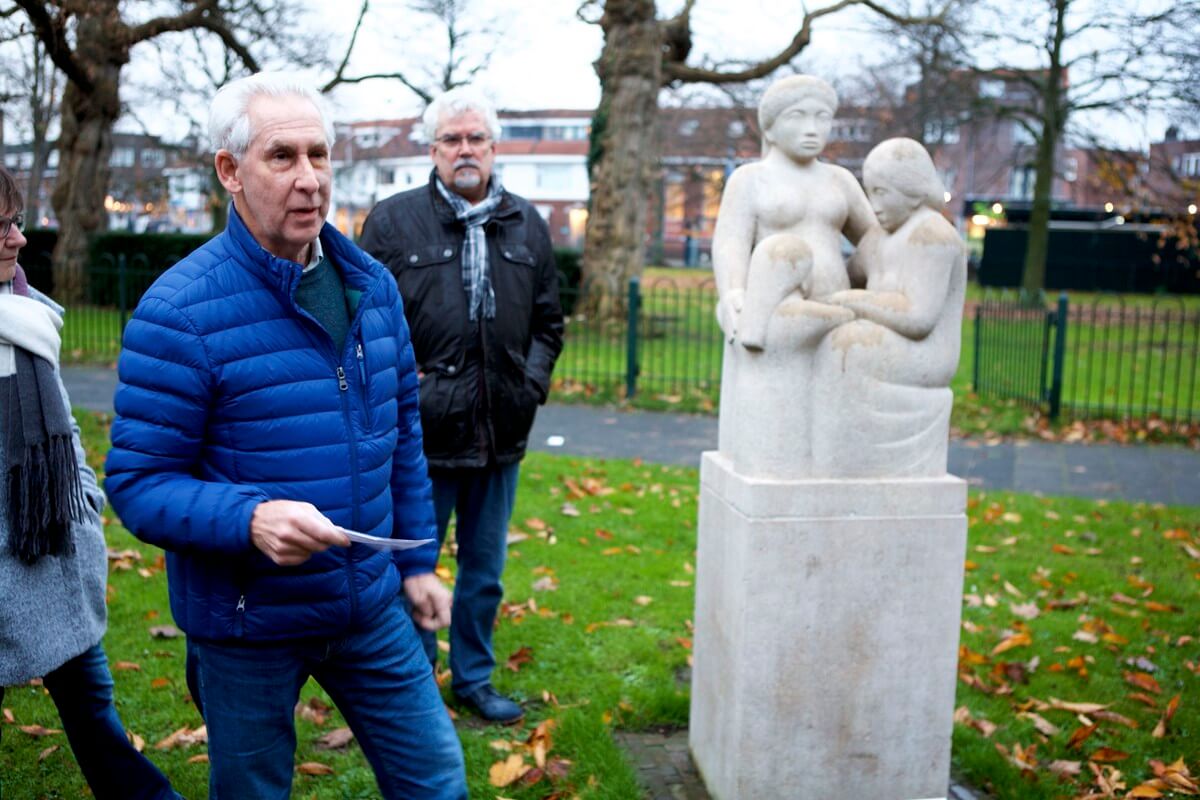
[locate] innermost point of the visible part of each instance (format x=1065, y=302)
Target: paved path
x=1158, y=474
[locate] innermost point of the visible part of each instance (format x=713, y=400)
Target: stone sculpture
x=825, y=380
x=831, y=540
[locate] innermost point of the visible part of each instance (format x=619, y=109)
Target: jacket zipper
x=362, y=367
x=240, y=620
x=343, y=387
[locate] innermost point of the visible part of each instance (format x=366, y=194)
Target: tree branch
x=53, y=34
x=341, y=69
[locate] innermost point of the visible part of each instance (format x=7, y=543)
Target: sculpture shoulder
x=744, y=177
x=934, y=231
x=843, y=176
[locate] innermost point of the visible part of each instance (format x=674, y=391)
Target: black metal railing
x=1113, y=357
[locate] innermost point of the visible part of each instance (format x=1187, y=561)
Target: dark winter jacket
x=482, y=381
x=230, y=394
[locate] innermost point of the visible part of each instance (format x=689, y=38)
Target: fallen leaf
x=1160, y=730
x=535, y=524
x=165, y=632
x=1025, y=610
x=37, y=731
x=1061, y=768
x=315, y=710
x=1081, y=735
x=159, y=683
x=199, y=758
x=314, y=768
x=42, y=756
x=1108, y=755
x=519, y=659
x=547, y=583
x=8, y=716
x=569, y=510
x=506, y=772
x=1112, y=716
x=126, y=666
x=1016, y=640
x=1142, y=680
x=1062, y=549
x=1075, y=708
x=336, y=739
x=183, y=737
x=1145, y=790
x=1043, y=725
x=138, y=742
x=643, y=600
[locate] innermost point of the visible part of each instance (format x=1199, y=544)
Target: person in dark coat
x=477, y=274
x=266, y=412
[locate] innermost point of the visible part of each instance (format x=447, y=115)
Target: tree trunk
x=624, y=156
x=85, y=145
x=1053, y=121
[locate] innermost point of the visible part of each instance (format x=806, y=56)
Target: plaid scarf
x=477, y=282
x=40, y=469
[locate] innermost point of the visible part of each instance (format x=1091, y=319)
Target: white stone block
x=827, y=618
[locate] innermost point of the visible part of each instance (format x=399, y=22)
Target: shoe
x=492, y=706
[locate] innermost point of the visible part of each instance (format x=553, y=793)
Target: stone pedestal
x=827, y=619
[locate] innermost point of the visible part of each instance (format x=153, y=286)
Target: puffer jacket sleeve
x=412, y=492
x=154, y=481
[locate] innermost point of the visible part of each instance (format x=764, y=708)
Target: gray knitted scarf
x=40, y=470
x=477, y=282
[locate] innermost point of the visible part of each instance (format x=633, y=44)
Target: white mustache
x=466, y=162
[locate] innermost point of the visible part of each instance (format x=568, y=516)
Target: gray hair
x=458, y=101
x=228, y=117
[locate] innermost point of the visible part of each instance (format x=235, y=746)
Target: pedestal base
x=827, y=618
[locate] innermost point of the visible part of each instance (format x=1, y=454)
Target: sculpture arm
x=733, y=238
x=860, y=219
x=913, y=311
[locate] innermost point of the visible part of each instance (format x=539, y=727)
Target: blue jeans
x=482, y=502
x=379, y=679
x=82, y=690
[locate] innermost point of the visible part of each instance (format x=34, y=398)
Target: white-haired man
x=476, y=270
x=267, y=403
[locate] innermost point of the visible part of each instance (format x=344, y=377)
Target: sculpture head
x=900, y=178
x=795, y=114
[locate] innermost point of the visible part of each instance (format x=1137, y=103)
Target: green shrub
x=570, y=270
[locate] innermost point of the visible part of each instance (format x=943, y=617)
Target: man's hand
x=430, y=601
x=289, y=532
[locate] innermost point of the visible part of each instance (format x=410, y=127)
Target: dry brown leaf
x=1120, y=719
x=1062, y=549
x=1075, y=708
x=314, y=768
x=37, y=731
x=1145, y=790
x=336, y=739
x=199, y=758
x=1081, y=735
x=534, y=524
x=159, y=683
x=506, y=772
x=1142, y=680
x=315, y=710
x=8, y=716
x=42, y=756
x=1043, y=725
x=165, y=632
x=1160, y=730
x=1108, y=755
x=547, y=583
x=126, y=666
x=1071, y=768
x=1021, y=639
x=643, y=600
x=1161, y=608
x=519, y=659
x=138, y=742
x=1144, y=699
x=183, y=737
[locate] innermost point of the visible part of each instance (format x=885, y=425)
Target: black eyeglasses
x=453, y=141
x=8, y=223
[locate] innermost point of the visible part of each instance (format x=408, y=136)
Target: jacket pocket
x=423, y=274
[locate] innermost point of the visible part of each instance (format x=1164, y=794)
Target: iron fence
x=1113, y=357
x=666, y=350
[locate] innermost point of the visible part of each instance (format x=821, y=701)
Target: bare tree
x=90, y=41
x=643, y=53
x=1100, y=56
x=35, y=86
x=468, y=50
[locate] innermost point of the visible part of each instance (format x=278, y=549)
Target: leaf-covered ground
x=1078, y=632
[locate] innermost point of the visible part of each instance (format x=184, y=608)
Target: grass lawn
x=1066, y=601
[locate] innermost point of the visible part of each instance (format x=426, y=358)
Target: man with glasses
x=478, y=280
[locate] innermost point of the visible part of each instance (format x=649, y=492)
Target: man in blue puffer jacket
x=268, y=399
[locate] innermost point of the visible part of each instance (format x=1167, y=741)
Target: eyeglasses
x=8, y=223
x=452, y=141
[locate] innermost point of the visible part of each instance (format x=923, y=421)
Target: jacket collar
x=359, y=271
x=445, y=212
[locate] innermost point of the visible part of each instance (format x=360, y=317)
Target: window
x=1190, y=166
x=1020, y=182
x=153, y=157
x=689, y=127
x=991, y=88
x=941, y=131
x=387, y=176
x=554, y=177
x=121, y=157
x=736, y=129
x=1022, y=135
x=1071, y=170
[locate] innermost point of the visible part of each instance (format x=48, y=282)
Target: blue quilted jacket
x=230, y=394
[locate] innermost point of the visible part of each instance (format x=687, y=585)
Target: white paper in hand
x=379, y=543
